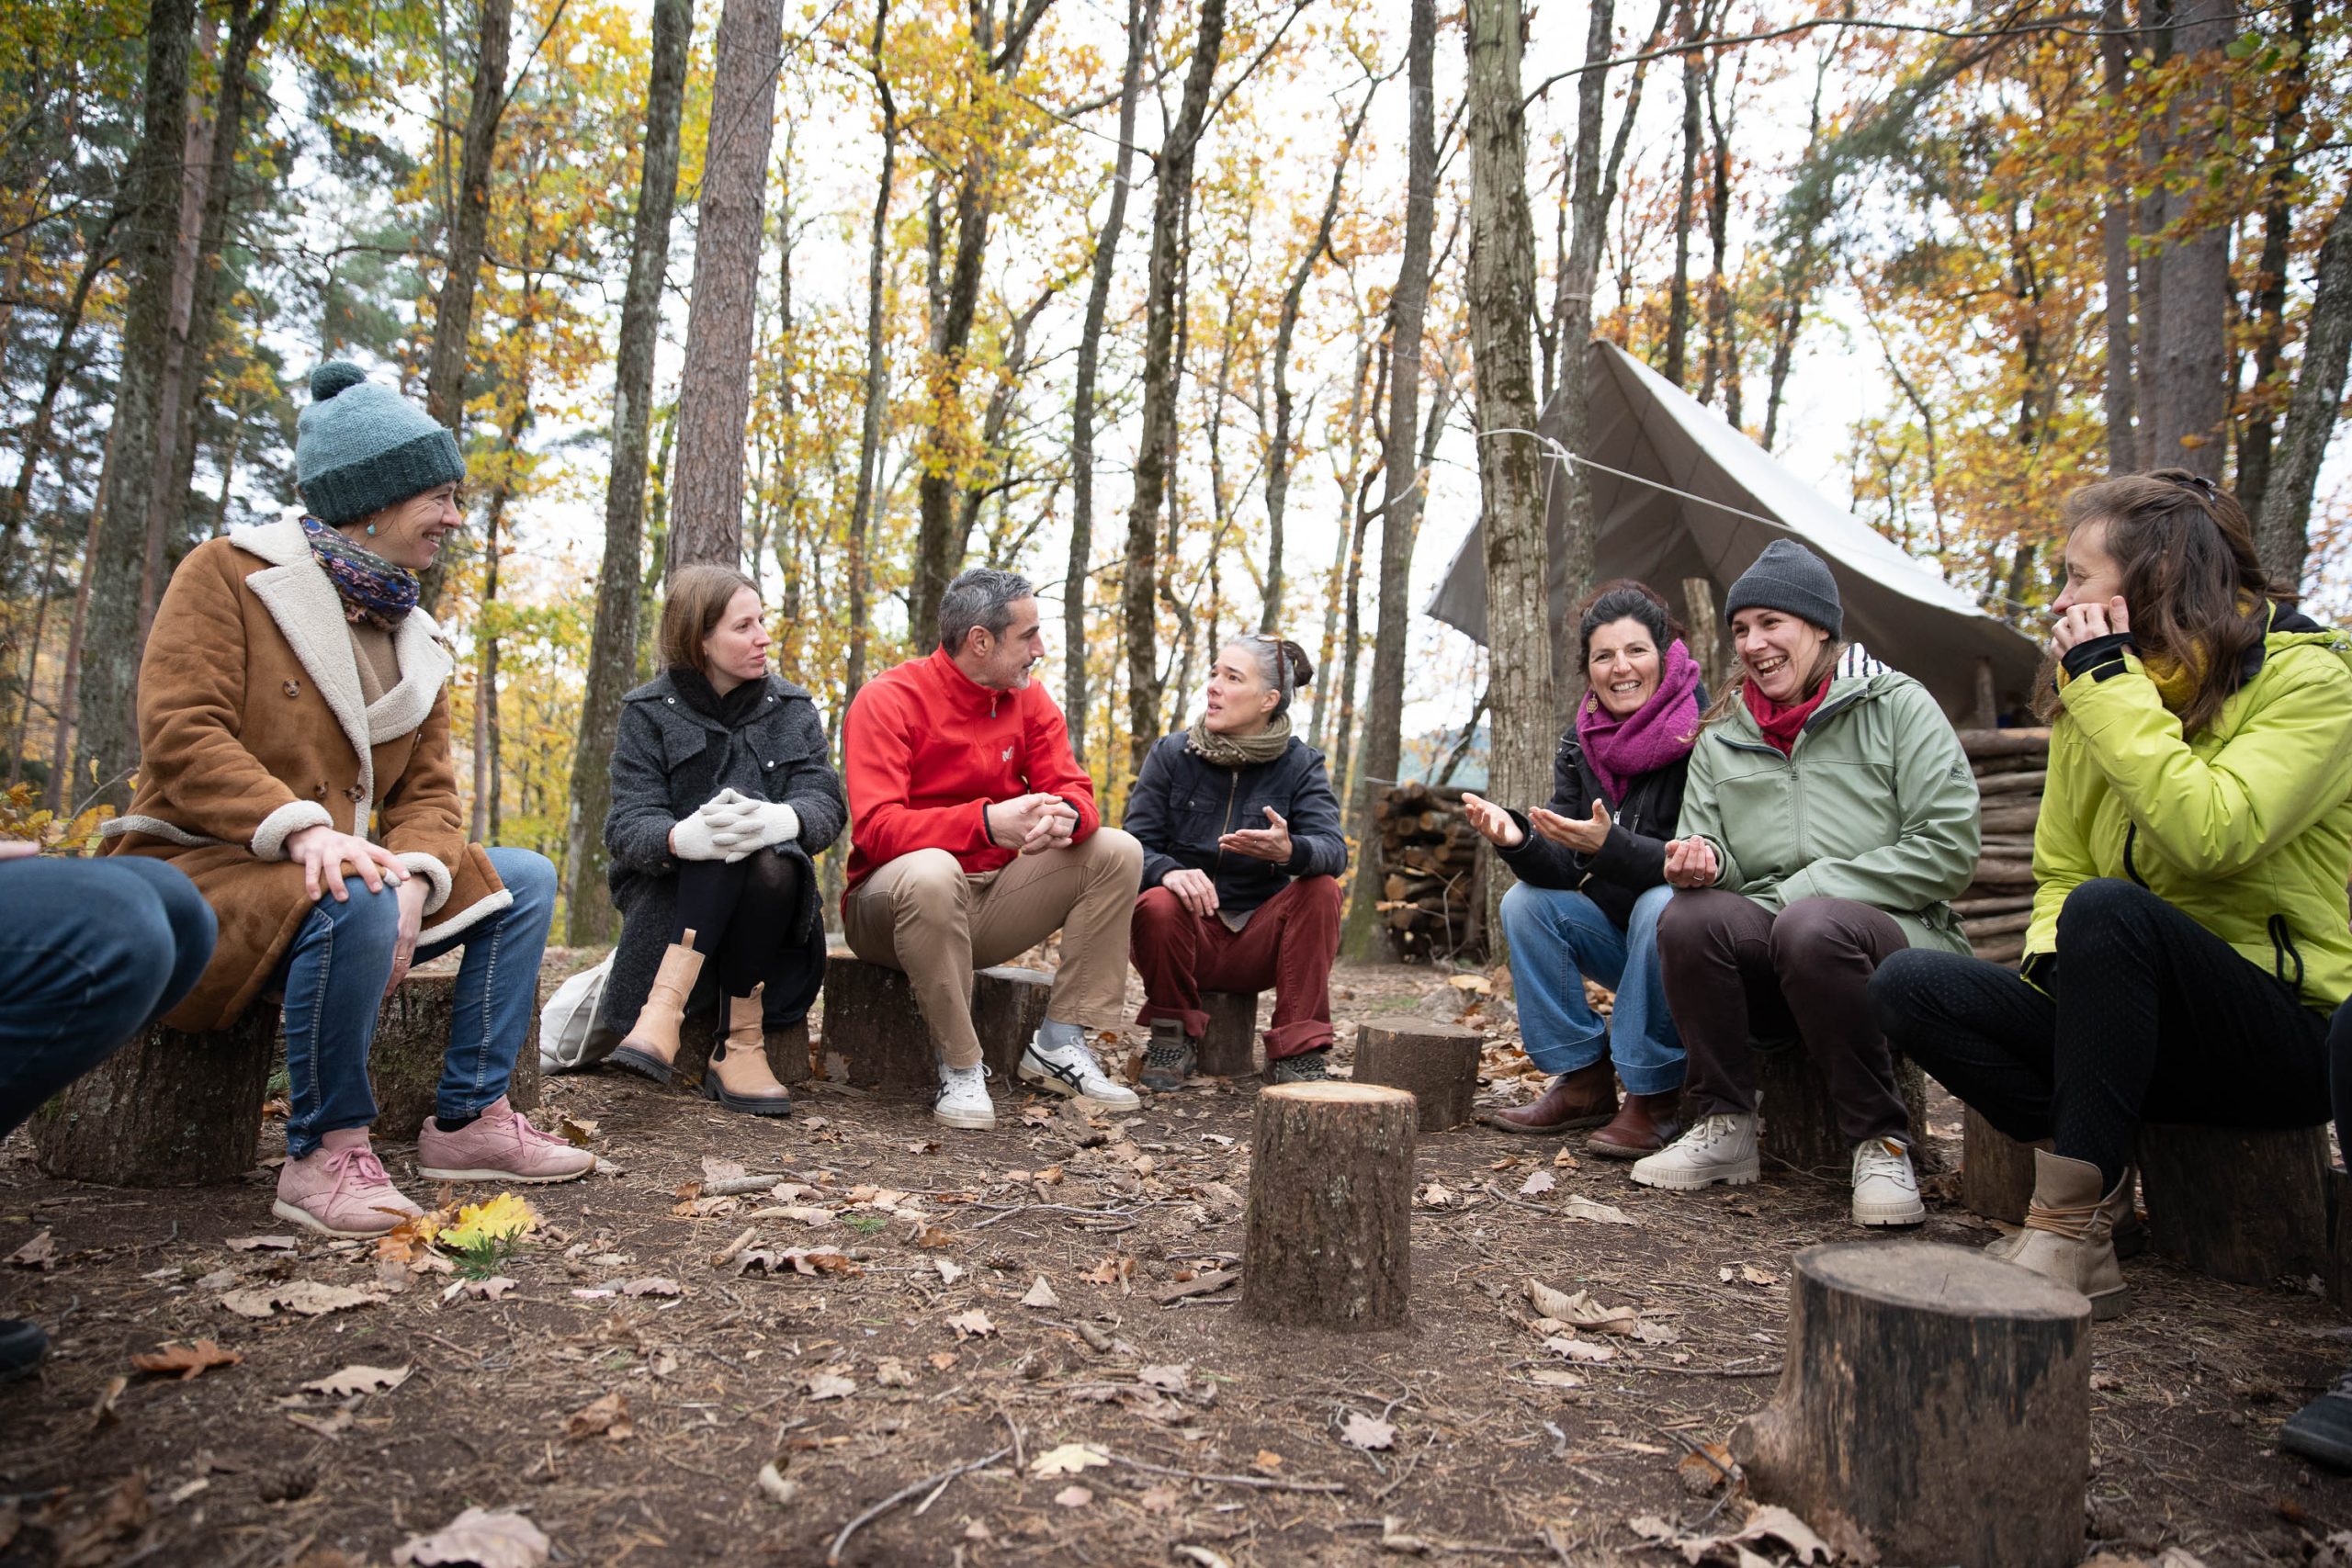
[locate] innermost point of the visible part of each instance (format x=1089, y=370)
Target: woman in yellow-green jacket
x=2189, y=937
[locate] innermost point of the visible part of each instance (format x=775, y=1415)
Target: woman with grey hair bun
x=1242, y=851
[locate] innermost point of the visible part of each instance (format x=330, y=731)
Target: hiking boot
x=1721, y=1147
x=1586, y=1098
x=500, y=1145
x=1073, y=1069
x=738, y=1076
x=652, y=1043
x=2320, y=1431
x=1644, y=1124
x=340, y=1189
x=1169, y=1060
x=2069, y=1231
x=1308, y=1066
x=2129, y=1235
x=963, y=1098
x=1886, y=1189
x=22, y=1345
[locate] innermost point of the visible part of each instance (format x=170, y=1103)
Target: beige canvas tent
x=1642, y=425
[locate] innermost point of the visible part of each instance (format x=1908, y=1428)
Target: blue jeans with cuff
x=335, y=973
x=1559, y=939
x=92, y=954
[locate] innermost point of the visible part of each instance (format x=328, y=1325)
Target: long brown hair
x=699, y=598
x=2196, y=590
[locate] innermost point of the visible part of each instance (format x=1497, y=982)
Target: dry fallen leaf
x=1436, y=1195
x=102, y=1410
x=358, y=1380
x=1160, y=1498
x=1702, y=1472
x=1268, y=1459
x=1537, y=1181
x=501, y=1539
x=1070, y=1459
x=716, y=1171
x=1112, y=1270
x=1580, y=1350
x=971, y=1325
x=333, y=1423
x=1073, y=1498
x=1580, y=1310
x=948, y=1272
x=307, y=1297
x=1566, y=1161
x=1041, y=1296
x=607, y=1417
x=941, y=1360
x=891, y=1373
x=775, y=1488
x=1363, y=1431
x=653, y=1285
x=831, y=1386
x=261, y=1243
x=577, y=1130
x=1552, y=1377
x=185, y=1360
x=1172, y=1378
x=40, y=1253
x=1580, y=1208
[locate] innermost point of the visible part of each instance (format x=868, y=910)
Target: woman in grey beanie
x=294, y=738
x=1827, y=821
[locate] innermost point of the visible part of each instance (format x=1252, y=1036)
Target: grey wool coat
x=667, y=761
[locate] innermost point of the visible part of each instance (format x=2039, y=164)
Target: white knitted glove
x=693, y=839
x=752, y=825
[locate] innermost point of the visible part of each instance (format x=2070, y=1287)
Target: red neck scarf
x=1780, y=725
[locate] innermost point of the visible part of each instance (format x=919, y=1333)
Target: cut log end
x=1329, y=1223
x=1436, y=1063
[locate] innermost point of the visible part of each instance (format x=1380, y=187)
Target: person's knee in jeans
x=194, y=928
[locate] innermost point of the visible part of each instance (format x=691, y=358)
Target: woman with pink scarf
x=1591, y=874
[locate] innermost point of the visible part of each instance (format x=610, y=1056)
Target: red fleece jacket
x=925, y=750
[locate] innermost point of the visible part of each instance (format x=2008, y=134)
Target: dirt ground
x=921, y=1345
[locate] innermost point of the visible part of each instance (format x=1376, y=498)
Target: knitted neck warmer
x=1238, y=751
x=733, y=710
x=372, y=589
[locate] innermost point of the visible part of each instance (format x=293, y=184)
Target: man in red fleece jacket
x=974, y=835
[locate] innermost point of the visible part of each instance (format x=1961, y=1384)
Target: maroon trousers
x=1289, y=944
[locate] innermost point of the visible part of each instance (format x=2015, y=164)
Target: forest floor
x=989, y=1319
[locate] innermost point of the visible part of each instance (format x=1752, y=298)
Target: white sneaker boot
x=1070, y=1068
x=1886, y=1190
x=963, y=1100
x=1721, y=1147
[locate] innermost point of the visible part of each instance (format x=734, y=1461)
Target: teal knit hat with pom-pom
x=360, y=446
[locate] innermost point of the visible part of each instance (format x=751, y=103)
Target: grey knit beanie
x=360, y=446
x=1789, y=577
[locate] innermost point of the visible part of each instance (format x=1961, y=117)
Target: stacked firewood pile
x=1427, y=861
x=1994, y=909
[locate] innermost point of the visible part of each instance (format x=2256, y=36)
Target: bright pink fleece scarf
x=1660, y=732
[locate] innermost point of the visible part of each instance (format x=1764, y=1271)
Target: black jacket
x=1630, y=861
x=668, y=759
x=1182, y=803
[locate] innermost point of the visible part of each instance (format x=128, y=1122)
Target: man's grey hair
x=981, y=597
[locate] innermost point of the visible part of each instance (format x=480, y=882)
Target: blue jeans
x=1560, y=938
x=335, y=973
x=91, y=953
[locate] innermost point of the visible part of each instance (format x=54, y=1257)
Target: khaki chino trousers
x=923, y=913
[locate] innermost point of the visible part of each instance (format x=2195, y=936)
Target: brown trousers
x=924, y=914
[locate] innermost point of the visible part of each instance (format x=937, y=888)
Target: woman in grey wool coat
x=722, y=790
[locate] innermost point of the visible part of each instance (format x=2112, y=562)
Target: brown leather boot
x=1585, y=1098
x=652, y=1043
x=1645, y=1125
x=738, y=1076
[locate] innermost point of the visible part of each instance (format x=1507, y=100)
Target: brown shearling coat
x=252, y=727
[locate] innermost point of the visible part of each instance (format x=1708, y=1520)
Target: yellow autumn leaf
x=503, y=1218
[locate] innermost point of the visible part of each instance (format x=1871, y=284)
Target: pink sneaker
x=340, y=1189
x=498, y=1145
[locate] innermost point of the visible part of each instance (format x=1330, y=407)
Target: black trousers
x=2154, y=1018
x=744, y=918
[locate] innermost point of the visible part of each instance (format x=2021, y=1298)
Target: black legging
x=741, y=915
x=2154, y=1018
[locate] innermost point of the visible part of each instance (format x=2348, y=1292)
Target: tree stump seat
x=1329, y=1220
x=1800, y=1125
x=1436, y=1063
x=2244, y=1205
x=1228, y=1047
x=1995, y=1170
x=876, y=1038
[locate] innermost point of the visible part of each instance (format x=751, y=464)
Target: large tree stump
x=1008, y=1004
x=875, y=1034
x=412, y=1038
x=1995, y=1170
x=2239, y=1203
x=2339, y=1238
x=1331, y=1223
x=168, y=1109
x=1228, y=1047
x=1800, y=1123
x=1438, y=1063
x=1935, y=1397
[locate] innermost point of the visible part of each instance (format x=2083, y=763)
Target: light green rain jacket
x=1874, y=803
x=2247, y=829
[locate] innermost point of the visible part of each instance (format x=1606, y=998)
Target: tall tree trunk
x=96, y=259
x=2191, y=405
x=1078, y=575
x=1278, y=461
x=2269, y=301
x=2115, y=230
x=1402, y=479
x=1138, y=598
x=1502, y=300
x=1677, y=308
x=59, y=797
x=1722, y=369
x=1800, y=252
x=453, y=308
x=109, y=658
x=877, y=367
x=486, y=733
x=715, y=385
x=612, y=649
x=2281, y=533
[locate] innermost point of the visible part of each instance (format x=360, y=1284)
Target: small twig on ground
x=1014, y=1208
x=1020, y=1456
x=1261, y=1482
x=1559, y=1550
x=834, y=1556
x=1404, y=1471
x=737, y=1186
x=1494, y=1191
x=1771, y=1371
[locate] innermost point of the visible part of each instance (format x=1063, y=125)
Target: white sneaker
x=963, y=1100
x=1073, y=1069
x=1721, y=1147
x=1886, y=1192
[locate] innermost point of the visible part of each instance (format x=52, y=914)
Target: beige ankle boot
x=652, y=1043
x=2069, y=1231
x=2122, y=1207
x=738, y=1076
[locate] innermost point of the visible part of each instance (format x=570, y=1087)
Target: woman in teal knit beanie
x=294, y=729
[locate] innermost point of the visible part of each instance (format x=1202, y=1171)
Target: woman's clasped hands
x=1692, y=863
